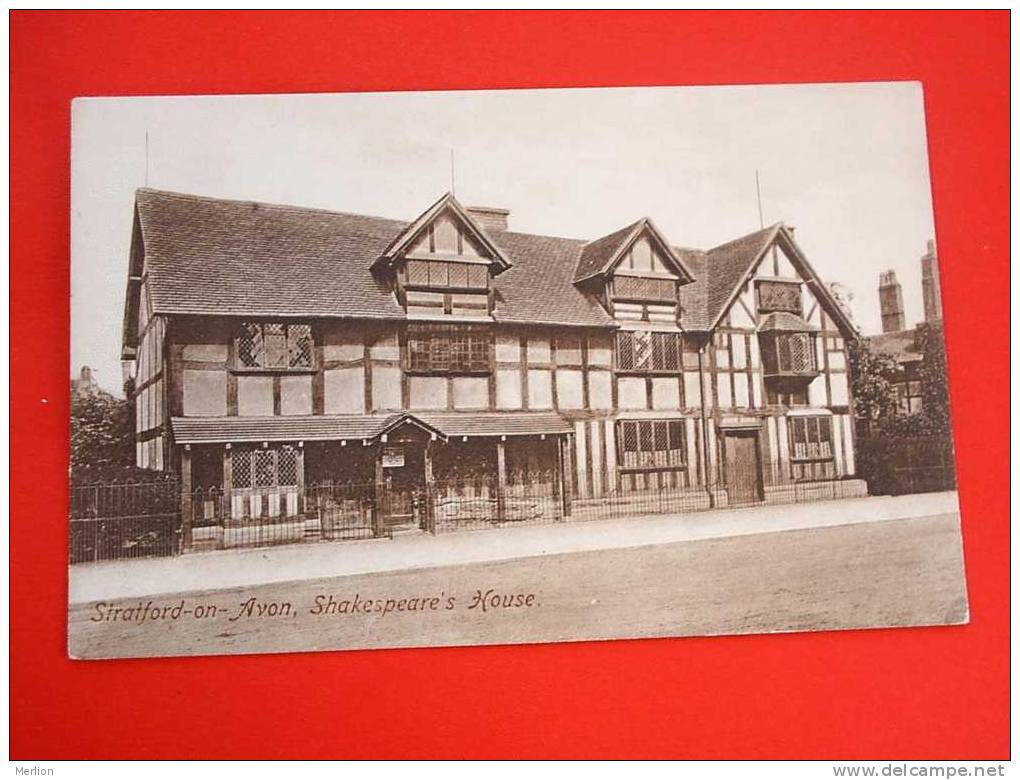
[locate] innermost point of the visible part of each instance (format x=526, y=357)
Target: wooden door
x=742, y=467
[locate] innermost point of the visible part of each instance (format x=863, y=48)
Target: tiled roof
x=210, y=256
x=595, y=255
x=495, y=423
x=898, y=344
x=784, y=320
x=223, y=257
x=211, y=430
x=727, y=265
x=206, y=430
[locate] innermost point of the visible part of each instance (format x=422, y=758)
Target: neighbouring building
x=900, y=342
x=273, y=347
x=85, y=384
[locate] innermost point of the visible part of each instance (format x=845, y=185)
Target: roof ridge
x=290, y=207
x=771, y=228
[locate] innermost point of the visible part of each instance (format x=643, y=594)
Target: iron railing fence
x=124, y=520
x=118, y=521
x=477, y=504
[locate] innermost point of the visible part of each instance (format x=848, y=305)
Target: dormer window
x=640, y=288
x=436, y=288
x=444, y=275
x=443, y=263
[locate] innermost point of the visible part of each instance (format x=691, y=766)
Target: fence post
x=560, y=481
x=501, y=479
x=186, y=498
x=430, y=507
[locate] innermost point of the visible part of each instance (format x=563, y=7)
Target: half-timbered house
x=275, y=347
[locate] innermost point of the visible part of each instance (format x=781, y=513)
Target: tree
x=871, y=379
x=934, y=377
x=102, y=434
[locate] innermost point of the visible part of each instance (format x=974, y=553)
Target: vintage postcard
x=456, y=368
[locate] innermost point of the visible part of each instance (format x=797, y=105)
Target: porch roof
x=320, y=427
x=496, y=423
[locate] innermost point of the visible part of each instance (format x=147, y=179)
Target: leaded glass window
x=275, y=346
x=649, y=352
x=651, y=444
x=449, y=351
x=266, y=467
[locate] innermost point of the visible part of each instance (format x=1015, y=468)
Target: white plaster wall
x=207, y=353
x=344, y=391
x=540, y=389
x=508, y=389
x=428, y=392
x=255, y=396
x=470, y=392
x=296, y=394
x=205, y=393
x=569, y=389
x=600, y=390
x=665, y=392
x=692, y=389
x=631, y=393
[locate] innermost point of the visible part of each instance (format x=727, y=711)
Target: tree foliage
x=872, y=377
x=934, y=377
x=102, y=434
x=871, y=380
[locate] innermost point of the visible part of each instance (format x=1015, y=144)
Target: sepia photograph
x=417, y=369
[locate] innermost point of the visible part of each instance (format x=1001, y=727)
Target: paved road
x=896, y=572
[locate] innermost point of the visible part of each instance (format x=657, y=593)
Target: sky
x=845, y=164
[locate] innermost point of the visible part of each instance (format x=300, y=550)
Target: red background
x=906, y=693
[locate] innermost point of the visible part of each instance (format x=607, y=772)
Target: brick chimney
x=930, y=285
x=489, y=218
x=890, y=299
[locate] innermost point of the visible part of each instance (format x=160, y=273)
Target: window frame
x=249, y=452
x=769, y=344
x=475, y=337
x=647, y=432
x=660, y=344
x=238, y=366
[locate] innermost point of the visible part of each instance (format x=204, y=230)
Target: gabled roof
x=729, y=266
x=445, y=203
x=414, y=421
x=602, y=255
x=208, y=256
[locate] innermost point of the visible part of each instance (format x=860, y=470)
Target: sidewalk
x=241, y=568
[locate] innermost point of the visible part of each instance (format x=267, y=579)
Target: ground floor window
x=264, y=467
x=651, y=444
x=811, y=450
